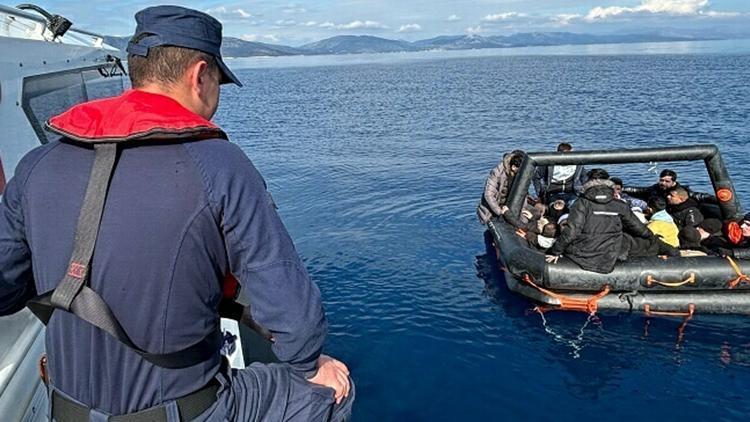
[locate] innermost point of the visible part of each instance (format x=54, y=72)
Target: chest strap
x=75, y=296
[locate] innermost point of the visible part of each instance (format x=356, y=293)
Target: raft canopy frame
x=729, y=205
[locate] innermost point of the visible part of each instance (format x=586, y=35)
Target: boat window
x=47, y=95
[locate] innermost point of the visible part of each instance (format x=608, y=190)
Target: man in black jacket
x=667, y=182
x=683, y=208
x=594, y=238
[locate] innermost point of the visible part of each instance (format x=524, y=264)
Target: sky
x=298, y=22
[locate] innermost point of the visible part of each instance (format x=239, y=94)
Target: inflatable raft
x=678, y=286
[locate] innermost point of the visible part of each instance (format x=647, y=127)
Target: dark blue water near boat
x=377, y=169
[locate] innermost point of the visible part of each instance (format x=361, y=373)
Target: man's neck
x=172, y=93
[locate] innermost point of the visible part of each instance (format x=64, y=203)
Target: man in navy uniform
x=182, y=207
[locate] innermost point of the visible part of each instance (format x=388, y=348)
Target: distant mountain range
x=356, y=44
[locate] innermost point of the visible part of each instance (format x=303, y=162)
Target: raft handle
x=689, y=314
x=650, y=281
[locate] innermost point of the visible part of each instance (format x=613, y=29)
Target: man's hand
x=334, y=374
x=521, y=232
x=552, y=259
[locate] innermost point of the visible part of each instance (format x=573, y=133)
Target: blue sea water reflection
x=377, y=166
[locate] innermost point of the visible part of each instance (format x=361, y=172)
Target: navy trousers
x=268, y=393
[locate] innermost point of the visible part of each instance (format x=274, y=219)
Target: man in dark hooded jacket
x=683, y=208
x=593, y=237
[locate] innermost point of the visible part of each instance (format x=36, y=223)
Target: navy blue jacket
x=179, y=216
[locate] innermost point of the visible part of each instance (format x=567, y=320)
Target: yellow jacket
x=665, y=228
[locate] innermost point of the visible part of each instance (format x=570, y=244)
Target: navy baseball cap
x=180, y=27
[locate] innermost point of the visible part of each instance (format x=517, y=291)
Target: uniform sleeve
x=261, y=254
x=16, y=278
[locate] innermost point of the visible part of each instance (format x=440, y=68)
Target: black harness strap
x=88, y=227
x=73, y=295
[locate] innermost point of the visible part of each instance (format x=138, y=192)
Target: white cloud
x=715, y=14
x=221, y=12
x=412, y=27
x=258, y=37
x=566, y=19
x=499, y=17
x=327, y=25
x=652, y=7
x=244, y=14
x=474, y=29
x=285, y=22
x=294, y=9
x=358, y=24
x=454, y=18
x=311, y=23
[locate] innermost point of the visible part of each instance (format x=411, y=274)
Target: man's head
x=617, y=186
x=708, y=227
x=177, y=52
x=549, y=230
x=656, y=204
x=745, y=225
x=564, y=147
x=667, y=180
x=515, y=163
x=677, y=195
x=597, y=174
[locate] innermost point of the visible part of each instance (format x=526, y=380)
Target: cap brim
x=227, y=77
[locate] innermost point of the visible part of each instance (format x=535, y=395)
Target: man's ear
x=197, y=74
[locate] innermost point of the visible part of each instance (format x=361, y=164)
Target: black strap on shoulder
x=72, y=293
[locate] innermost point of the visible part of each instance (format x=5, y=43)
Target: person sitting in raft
x=683, y=208
x=661, y=223
x=741, y=243
x=667, y=181
x=622, y=196
x=543, y=240
x=530, y=219
x=706, y=237
x=715, y=238
x=559, y=182
x=497, y=186
x=556, y=210
x=593, y=237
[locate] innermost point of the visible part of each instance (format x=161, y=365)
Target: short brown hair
x=564, y=147
x=165, y=64
x=680, y=192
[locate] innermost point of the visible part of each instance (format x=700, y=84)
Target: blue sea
x=377, y=163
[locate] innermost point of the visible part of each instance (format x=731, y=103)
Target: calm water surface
x=377, y=166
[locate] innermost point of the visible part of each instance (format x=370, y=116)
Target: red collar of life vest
x=132, y=116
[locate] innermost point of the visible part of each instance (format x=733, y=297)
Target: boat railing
x=16, y=23
x=723, y=187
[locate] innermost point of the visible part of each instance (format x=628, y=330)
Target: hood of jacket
x=132, y=116
x=507, y=159
x=599, y=191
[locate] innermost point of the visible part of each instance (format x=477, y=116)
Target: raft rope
x=740, y=275
x=585, y=304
